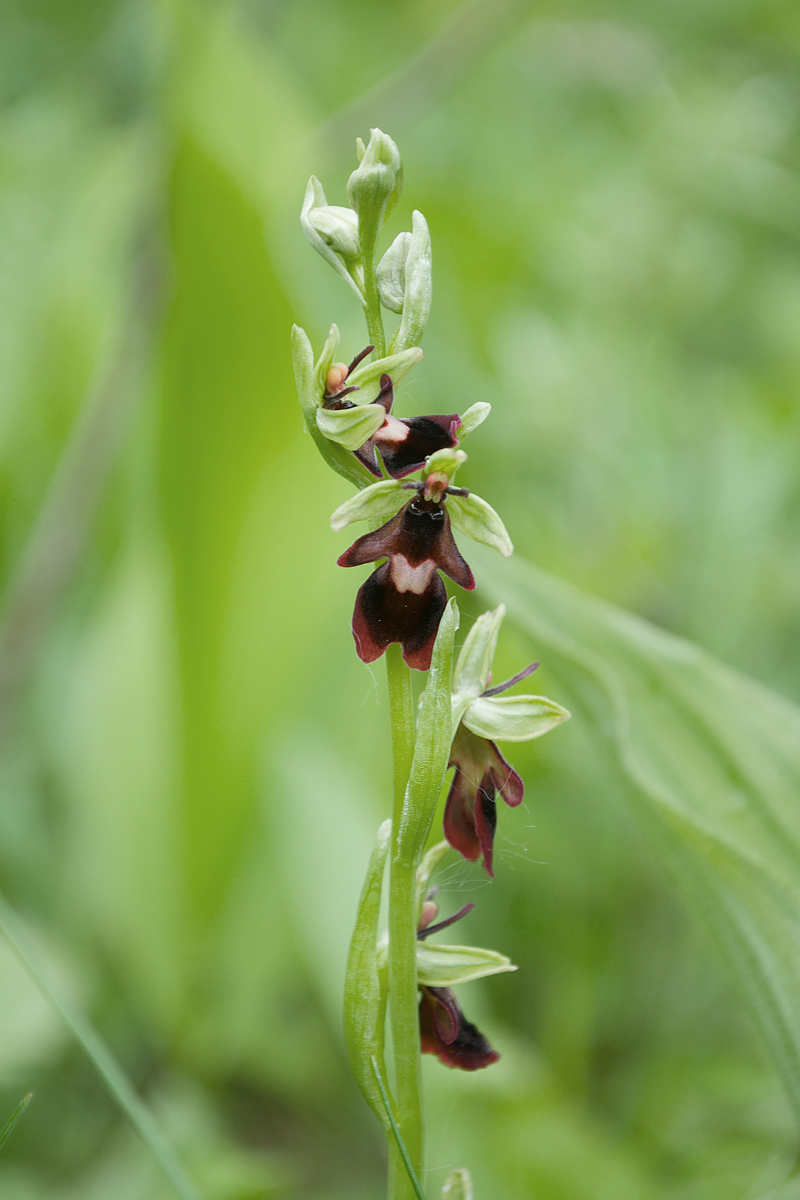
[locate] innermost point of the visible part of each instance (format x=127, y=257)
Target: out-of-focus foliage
x=194, y=769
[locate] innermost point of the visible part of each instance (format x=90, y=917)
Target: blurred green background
x=193, y=758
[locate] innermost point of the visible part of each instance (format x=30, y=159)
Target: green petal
x=447, y=966
x=478, y=520
x=514, y=718
x=376, y=503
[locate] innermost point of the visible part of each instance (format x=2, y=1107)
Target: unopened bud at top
x=338, y=227
x=391, y=274
x=375, y=185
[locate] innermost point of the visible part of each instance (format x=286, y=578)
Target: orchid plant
x=402, y=610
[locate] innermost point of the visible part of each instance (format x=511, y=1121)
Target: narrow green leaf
x=432, y=748
x=365, y=991
x=446, y=966
x=513, y=718
x=401, y=1146
x=714, y=759
x=8, y=1128
x=99, y=1055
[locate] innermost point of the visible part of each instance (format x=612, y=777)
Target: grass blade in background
x=99, y=1055
x=8, y=1128
x=715, y=759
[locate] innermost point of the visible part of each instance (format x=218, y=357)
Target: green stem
x=403, y=1004
x=372, y=308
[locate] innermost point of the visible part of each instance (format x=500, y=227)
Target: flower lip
x=445, y=1032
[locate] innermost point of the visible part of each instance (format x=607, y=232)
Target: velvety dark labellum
x=383, y=615
x=404, y=599
x=470, y=815
x=445, y=1032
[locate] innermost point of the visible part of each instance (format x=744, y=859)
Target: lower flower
x=446, y=1032
x=470, y=815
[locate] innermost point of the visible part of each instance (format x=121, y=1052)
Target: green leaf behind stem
x=714, y=759
x=364, y=991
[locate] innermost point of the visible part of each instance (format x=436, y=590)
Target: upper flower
x=404, y=442
x=403, y=600
x=480, y=716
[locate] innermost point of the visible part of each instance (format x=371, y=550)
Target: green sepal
x=391, y=274
x=350, y=427
x=426, y=868
x=432, y=747
x=378, y=502
x=447, y=461
x=473, y=417
x=475, y=660
x=315, y=198
x=365, y=992
x=447, y=966
x=458, y=1185
x=514, y=718
x=338, y=227
x=367, y=377
x=325, y=361
x=308, y=393
x=417, y=286
x=478, y=520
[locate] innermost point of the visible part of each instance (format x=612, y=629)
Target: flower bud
x=333, y=232
x=391, y=274
x=375, y=186
x=338, y=227
x=458, y=1185
x=417, y=286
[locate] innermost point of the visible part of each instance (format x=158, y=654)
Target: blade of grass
x=401, y=1146
x=8, y=1128
x=98, y=1053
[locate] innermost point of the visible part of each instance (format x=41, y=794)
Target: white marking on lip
x=392, y=430
x=411, y=579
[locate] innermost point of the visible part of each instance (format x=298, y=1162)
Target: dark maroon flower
x=404, y=599
x=470, y=815
x=446, y=1032
x=443, y=1028
x=404, y=442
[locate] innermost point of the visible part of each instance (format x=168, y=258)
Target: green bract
x=446, y=461
x=365, y=990
x=378, y=502
x=478, y=520
x=447, y=966
x=317, y=216
x=475, y=660
x=426, y=869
